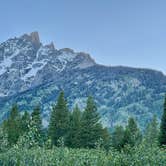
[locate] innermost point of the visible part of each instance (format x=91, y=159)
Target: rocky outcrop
x=33, y=38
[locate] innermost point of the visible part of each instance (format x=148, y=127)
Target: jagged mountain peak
x=32, y=42
x=34, y=38
x=28, y=63
x=51, y=46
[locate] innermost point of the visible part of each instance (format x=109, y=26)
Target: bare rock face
x=35, y=39
x=51, y=46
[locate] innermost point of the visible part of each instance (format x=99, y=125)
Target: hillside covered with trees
x=77, y=137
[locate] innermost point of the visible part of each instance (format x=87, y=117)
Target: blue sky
x=114, y=32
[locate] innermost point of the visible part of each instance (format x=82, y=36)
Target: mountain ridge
x=33, y=73
x=51, y=44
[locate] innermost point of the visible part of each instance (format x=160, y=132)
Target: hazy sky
x=114, y=32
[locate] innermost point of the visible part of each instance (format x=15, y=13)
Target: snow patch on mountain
x=37, y=64
x=7, y=62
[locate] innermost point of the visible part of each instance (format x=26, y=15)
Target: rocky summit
x=33, y=73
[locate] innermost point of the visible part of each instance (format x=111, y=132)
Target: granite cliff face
x=33, y=73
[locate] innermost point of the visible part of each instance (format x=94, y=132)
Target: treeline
x=75, y=129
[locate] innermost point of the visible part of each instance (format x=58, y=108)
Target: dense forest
x=78, y=138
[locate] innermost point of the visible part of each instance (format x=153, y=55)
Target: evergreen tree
x=13, y=126
x=73, y=138
x=118, y=138
x=59, y=120
x=132, y=135
x=36, y=118
x=106, y=139
x=4, y=144
x=31, y=138
x=91, y=129
x=36, y=123
x=162, y=136
x=25, y=121
x=151, y=133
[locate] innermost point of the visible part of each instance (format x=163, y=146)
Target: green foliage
x=13, y=126
x=118, y=138
x=30, y=139
x=4, y=144
x=59, y=121
x=91, y=129
x=74, y=134
x=137, y=156
x=25, y=121
x=36, y=118
x=106, y=139
x=140, y=155
x=162, y=137
x=22, y=139
x=132, y=135
x=151, y=132
x=37, y=123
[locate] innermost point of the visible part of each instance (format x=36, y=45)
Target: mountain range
x=32, y=73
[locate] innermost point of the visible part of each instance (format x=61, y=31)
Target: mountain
x=33, y=73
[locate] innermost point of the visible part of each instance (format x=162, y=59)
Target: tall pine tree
x=13, y=125
x=91, y=129
x=162, y=136
x=36, y=122
x=59, y=120
x=25, y=121
x=73, y=137
x=36, y=118
x=151, y=132
x=118, y=138
x=132, y=135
